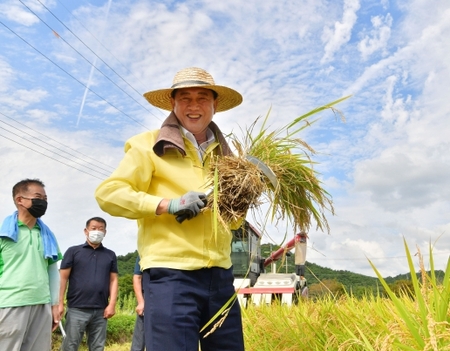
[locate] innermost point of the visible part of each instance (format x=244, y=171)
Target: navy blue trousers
x=179, y=303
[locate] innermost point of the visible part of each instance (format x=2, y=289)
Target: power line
x=97, y=164
x=56, y=17
x=99, y=42
x=77, y=158
x=92, y=64
x=70, y=75
x=34, y=143
x=52, y=158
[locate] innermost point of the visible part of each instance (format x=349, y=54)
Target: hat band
x=190, y=82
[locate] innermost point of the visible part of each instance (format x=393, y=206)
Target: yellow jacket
x=164, y=164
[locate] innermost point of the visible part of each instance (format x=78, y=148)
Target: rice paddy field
x=411, y=320
x=418, y=319
x=345, y=324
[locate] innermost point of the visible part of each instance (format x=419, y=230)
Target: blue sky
x=72, y=75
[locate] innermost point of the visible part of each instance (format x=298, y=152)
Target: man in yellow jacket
x=187, y=273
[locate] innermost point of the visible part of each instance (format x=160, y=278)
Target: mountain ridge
x=314, y=272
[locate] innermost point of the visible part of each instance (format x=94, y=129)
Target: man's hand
x=60, y=310
x=189, y=205
x=55, y=317
x=109, y=311
x=140, y=309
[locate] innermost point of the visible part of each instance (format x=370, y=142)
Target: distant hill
x=353, y=282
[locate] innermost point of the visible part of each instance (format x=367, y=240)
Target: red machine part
x=274, y=256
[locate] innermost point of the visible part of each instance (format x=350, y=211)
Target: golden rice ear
x=299, y=195
x=238, y=148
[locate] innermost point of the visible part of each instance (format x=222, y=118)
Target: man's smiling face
x=194, y=108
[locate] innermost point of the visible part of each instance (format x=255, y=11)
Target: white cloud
x=378, y=37
x=20, y=98
x=334, y=38
x=415, y=58
x=41, y=116
x=399, y=181
x=6, y=74
x=395, y=109
x=15, y=11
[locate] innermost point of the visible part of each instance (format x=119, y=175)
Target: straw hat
x=191, y=77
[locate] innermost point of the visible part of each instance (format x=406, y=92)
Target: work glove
x=188, y=206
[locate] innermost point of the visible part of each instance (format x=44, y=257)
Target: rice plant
x=416, y=320
x=299, y=195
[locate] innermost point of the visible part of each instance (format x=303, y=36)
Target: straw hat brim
x=227, y=98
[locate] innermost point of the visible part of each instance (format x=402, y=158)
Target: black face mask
x=38, y=208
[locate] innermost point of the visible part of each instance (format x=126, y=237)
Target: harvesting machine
x=252, y=282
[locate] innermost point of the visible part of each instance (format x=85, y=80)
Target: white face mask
x=96, y=236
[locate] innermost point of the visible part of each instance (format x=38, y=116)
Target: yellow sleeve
x=124, y=193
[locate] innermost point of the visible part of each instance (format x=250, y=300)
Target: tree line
x=321, y=280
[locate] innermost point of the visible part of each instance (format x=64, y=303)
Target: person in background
x=300, y=260
x=91, y=271
x=29, y=278
x=161, y=182
x=138, y=342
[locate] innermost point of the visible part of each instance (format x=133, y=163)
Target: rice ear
x=299, y=196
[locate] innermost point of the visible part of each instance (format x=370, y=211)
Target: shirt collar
x=21, y=224
x=86, y=244
x=209, y=136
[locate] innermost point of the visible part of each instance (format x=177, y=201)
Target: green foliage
x=120, y=328
x=128, y=303
x=125, y=285
x=439, y=274
x=125, y=264
x=126, y=300
x=402, y=287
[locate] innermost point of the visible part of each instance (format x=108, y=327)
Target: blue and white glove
x=188, y=206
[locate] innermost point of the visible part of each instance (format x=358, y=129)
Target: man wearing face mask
x=29, y=279
x=91, y=271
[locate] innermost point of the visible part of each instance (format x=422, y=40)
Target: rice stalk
x=240, y=186
x=299, y=195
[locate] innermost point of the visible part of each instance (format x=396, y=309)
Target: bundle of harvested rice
x=299, y=195
x=240, y=186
